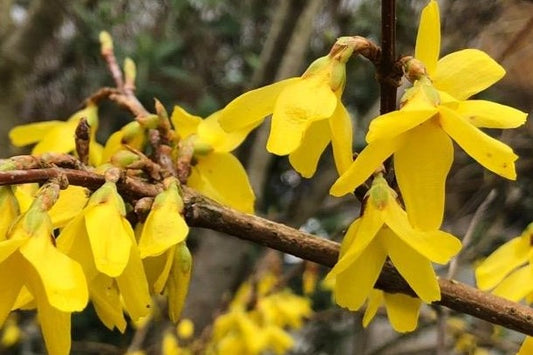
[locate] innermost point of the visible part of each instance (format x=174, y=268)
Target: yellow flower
x=384, y=231
x=103, y=242
x=164, y=226
x=132, y=134
x=307, y=112
x=58, y=136
x=435, y=111
x=508, y=269
x=217, y=173
x=527, y=347
x=9, y=210
x=56, y=282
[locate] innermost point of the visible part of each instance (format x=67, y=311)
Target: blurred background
x=200, y=54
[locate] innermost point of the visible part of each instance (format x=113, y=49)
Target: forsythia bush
x=63, y=247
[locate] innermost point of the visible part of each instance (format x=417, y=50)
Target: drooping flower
x=55, y=282
x=215, y=172
x=435, y=111
x=58, y=136
x=307, y=112
x=509, y=274
x=384, y=231
x=102, y=241
x=402, y=310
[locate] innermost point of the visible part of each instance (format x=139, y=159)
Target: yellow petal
x=305, y=159
x=501, y=262
x=31, y=133
x=25, y=195
x=364, y=232
x=59, y=139
x=55, y=326
x=164, y=225
x=62, y=278
x=70, y=203
x=415, y=268
x=489, y=152
x=428, y=38
x=394, y=123
x=184, y=123
x=157, y=269
x=106, y=302
x=527, y=347
x=438, y=246
x=10, y=285
x=364, y=165
x=9, y=246
x=96, y=151
x=299, y=104
x=402, y=311
x=110, y=241
x=340, y=125
x=220, y=176
x=210, y=131
x=375, y=300
x=488, y=114
x=517, y=285
x=354, y=284
x=132, y=283
x=178, y=281
x=421, y=167
x=466, y=72
x=252, y=107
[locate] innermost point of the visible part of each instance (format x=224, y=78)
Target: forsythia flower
x=56, y=282
x=402, y=310
x=307, y=112
x=508, y=271
x=216, y=173
x=103, y=242
x=384, y=231
x=58, y=136
x=253, y=331
x=435, y=111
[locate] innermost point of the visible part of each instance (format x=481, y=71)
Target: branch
x=388, y=75
x=203, y=212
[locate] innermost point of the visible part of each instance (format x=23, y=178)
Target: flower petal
x=375, y=300
x=501, y=262
x=220, y=176
x=184, y=123
x=428, y=38
x=415, y=268
x=164, y=226
x=364, y=165
x=436, y=245
x=132, y=283
x=355, y=283
x=394, y=123
x=466, y=72
x=299, y=104
x=31, y=133
x=363, y=234
x=59, y=139
x=55, y=326
x=210, y=131
x=10, y=286
x=489, y=152
x=69, y=204
x=421, y=167
x=157, y=269
x=488, y=114
x=106, y=302
x=517, y=285
x=62, y=278
x=110, y=241
x=340, y=125
x=253, y=106
x=402, y=311
x=527, y=347
x=305, y=159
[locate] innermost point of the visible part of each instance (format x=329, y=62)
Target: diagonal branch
x=205, y=213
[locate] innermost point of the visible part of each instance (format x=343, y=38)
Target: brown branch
x=387, y=75
x=203, y=212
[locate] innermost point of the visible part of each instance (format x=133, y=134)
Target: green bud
x=130, y=70
x=379, y=192
x=106, y=42
x=123, y=158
